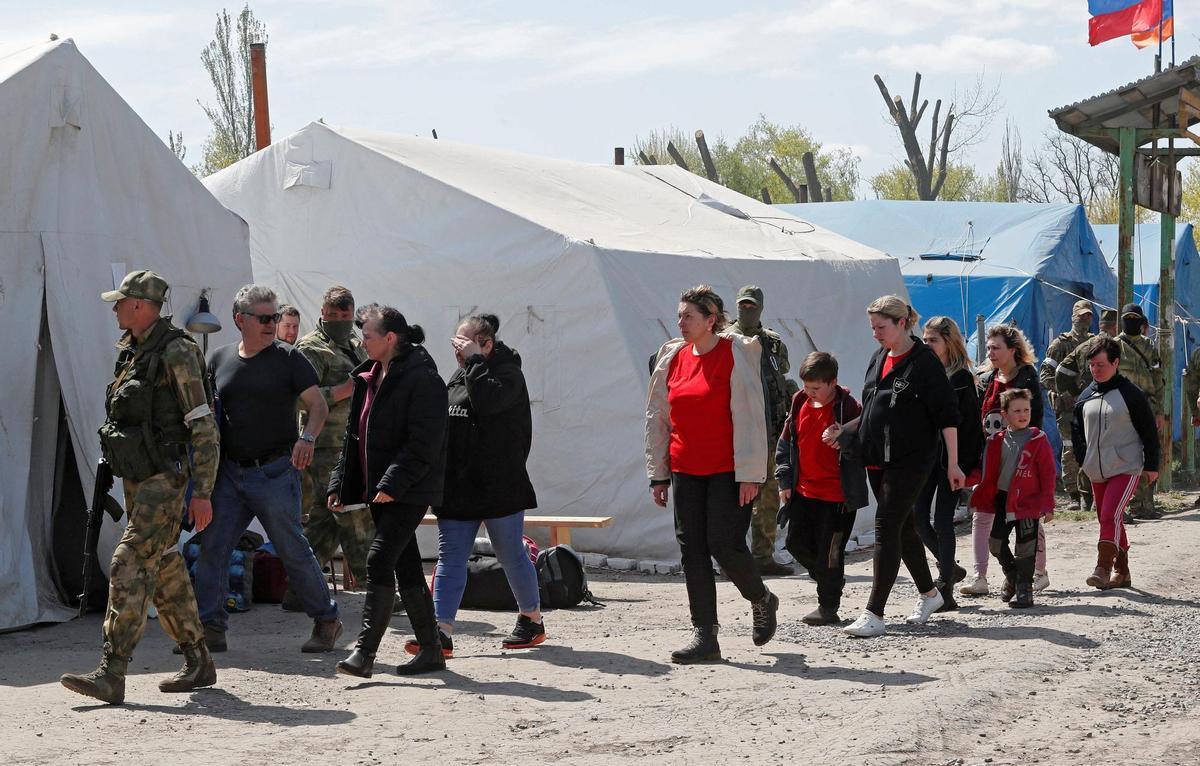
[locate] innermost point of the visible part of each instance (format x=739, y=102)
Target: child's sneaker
x=926, y=605
x=869, y=625
x=1041, y=581
x=525, y=634
x=977, y=587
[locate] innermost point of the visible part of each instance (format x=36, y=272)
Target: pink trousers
x=981, y=527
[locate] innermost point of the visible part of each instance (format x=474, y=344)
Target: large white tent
x=583, y=263
x=88, y=193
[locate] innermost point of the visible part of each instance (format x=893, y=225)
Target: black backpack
x=562, y=581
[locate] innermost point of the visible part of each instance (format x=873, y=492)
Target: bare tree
x=1010, y=174
x=1068, y=169
x=227, y=60
x=175, y=143
x=966, y=120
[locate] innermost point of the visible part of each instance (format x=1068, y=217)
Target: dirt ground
x=1085, y=677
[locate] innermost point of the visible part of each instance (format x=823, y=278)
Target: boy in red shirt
x=820, y=487
x=1018, y=486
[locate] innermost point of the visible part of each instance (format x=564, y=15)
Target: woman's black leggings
x=394, y=556
x=896, y=538
x=938, y=535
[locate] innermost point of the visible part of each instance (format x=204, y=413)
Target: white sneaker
x=926, y=605
x=1041, y=581
x=977, y=587
x=868, y=625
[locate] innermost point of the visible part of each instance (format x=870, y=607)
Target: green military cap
x=142, y=284
x=752, y=293
x=1081, y=307
x=1108, y=315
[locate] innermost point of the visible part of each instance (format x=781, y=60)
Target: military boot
x=106, y=683
x=198, y=670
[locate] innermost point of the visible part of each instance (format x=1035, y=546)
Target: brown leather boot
x=106, y=683
x=1106, y=553
x=198, y=670
x=1120, y=575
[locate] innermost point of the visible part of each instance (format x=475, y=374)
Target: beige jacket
x=746, y=403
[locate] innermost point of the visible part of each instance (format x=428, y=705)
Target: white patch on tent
x=316, y=174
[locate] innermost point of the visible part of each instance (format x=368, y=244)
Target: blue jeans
x=272, y=494
x=455, y=541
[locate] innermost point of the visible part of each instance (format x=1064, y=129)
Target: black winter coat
x=970, y=422
x=489, y=434
x=904, y=413
x=406, y=434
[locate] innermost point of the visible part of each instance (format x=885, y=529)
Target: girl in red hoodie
x=1018, y=486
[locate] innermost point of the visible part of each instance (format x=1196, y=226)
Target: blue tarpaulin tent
x=1147, y=257
x=1026, y=263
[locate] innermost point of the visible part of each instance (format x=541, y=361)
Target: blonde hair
x=956, y=347
x=708, y=303
x=1016, y=340
x=895, y=308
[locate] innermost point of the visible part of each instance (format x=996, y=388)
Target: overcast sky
x=574, y=79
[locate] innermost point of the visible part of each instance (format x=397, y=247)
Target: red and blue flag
x=1145, y=22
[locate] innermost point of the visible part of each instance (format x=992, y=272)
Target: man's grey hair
x=250, y=295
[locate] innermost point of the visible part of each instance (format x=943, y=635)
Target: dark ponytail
x=389, y=319
x=482, y=326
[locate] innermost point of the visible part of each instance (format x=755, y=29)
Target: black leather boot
x=702, y=648
x=377, y=612
x=418, y=602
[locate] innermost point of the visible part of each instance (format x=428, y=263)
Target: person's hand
x=383, y=497
x=334, y=503
x=302, y=454
x=200, y=513
x=747, y=491
x=784, y=496
x=342, y=391
x=465, y=347
x=956, y=476
x=831, y=434
x=659, y=493
x=1151, y=476
x=1049, y=516
x=1161, y=421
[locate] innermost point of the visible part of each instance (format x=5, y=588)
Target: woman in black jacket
x=944, y=339
x=907, y=401
x=394, y=459
x=488, y=437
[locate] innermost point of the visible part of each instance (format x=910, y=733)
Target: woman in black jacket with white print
x=908, y=404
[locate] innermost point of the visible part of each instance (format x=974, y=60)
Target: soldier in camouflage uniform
x=156, y=407
x=1072, y=375
x=1063, y=402
x=334, y=351
x=764, y=524
x=1141, y=364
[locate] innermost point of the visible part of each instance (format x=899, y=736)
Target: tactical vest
x=144, y=433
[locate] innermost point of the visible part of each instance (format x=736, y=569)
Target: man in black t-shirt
x=257, y=382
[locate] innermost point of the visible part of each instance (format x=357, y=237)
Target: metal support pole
x=258, y=83
x=1125, y=219
x=980, y=340
x=1166, y=343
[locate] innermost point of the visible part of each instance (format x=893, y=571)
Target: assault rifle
x=100, y=503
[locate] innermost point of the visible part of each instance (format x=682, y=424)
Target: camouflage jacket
x=1191, y=381
x=1072, y=375
x=775, y=367
x=333, y=365
x=183, y=372
x=1140, y=363
x=1059, y=349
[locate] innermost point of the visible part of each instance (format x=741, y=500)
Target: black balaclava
x=1132, y=325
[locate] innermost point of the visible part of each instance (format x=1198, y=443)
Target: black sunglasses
x=264, y=318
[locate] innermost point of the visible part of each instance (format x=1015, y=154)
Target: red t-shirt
x=819, y=476
x=890, y=361
x=701, y=420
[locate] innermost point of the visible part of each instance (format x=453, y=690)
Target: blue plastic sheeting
x=1025, y=263
x=1147, y=257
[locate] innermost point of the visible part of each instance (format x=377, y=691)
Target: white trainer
x=1041, y=581
x=926, y=605
x=977, y=587
x=868, y=625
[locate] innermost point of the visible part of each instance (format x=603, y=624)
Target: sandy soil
x=1085, y=677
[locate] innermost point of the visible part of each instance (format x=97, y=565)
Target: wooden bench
x=560, y=526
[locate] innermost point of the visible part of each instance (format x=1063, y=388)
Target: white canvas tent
x=583, y=264
x=88, y=193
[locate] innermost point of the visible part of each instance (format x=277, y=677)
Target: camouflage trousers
x=147, y=566
x=326, y=530
x=764, y=521
x=1075, y=481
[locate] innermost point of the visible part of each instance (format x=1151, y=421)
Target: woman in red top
x=706, y=435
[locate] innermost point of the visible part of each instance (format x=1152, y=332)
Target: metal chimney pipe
x=258, y=85
x=619, y=155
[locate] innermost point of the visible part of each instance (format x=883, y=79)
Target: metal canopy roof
x=1131, y=106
